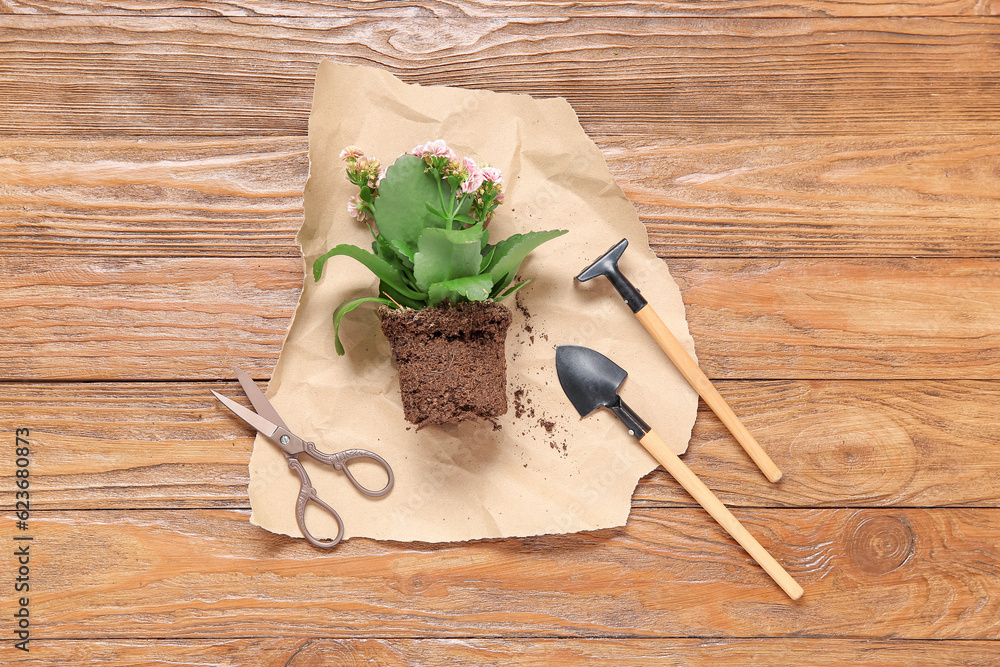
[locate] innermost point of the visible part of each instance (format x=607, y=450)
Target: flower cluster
x=366, y=173
x=436, y=153
x=483, y=183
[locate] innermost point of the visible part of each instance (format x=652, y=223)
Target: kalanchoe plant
x=428, y=214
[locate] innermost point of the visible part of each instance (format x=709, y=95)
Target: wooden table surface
x=821, y=177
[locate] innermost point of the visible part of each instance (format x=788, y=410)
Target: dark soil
x=451, y=361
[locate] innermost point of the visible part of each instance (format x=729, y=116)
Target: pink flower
x=472, y=183
x=492, y=175
x=436, y=148
x=352, y=207
x=351, y=153
x=474, y=178
x=381, y=175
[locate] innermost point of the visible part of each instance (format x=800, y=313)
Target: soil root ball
x=451, y=361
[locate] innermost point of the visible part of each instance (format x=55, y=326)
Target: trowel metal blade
x=589, y=379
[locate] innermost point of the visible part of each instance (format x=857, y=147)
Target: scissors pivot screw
x=285, y=439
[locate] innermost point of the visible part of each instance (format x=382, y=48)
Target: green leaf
x=435, y=210
x=381, y=268
x=446, y=254
x=469, y=288
x=403, y=252
x=513, y=289
x=487, y=257
x=499, y=287
x=345, y=308
x=401, y=210
x=464, y=207
x=511, y=252
x=382, y=249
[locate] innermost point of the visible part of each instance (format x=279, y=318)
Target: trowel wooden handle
x=694, y=375
x=685, y=477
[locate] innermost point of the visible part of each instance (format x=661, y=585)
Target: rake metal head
x=607, y=265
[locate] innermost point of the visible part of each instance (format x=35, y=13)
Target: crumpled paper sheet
x=542, y=469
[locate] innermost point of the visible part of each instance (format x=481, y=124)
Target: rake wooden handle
x=694, y=375
x=685, y=477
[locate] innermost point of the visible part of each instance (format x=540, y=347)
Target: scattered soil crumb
x=519, y=403
x=551, y=431
x=519, y=304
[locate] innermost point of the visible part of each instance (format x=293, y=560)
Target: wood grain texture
x=830, y=196
x=503, y=9
x=911, y=574
x=633, y=652
x=148, y=445
x=195, y=318
x=858, y=319
x=849, y=443
x=824, y=190
x=235, y=197
x=841, y=444
x=760, y=196
x=127, y=76
x=155, y=319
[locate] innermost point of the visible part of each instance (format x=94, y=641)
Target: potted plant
x=441, y=280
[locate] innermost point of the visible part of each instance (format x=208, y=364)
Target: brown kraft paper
x=541, y=469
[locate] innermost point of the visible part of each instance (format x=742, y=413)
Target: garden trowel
x=591, y=381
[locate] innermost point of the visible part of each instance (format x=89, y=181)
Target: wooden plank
x=830, y=196
x=858, y=319
x=94, y=319
x=839, y=443
x=633, y=652
x=147, y=445
x=662, y=77
x=849, y=444
x=669, y=573
x=759, y=196
x=80, y=318
x=141, y=198
x=507, y=8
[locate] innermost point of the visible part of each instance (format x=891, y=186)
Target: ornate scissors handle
x=307, y=493
x=340, y=460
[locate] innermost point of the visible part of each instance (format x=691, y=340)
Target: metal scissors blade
x=258, y=400
x=265, y=426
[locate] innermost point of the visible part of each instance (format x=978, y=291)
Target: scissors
x=271, y=426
